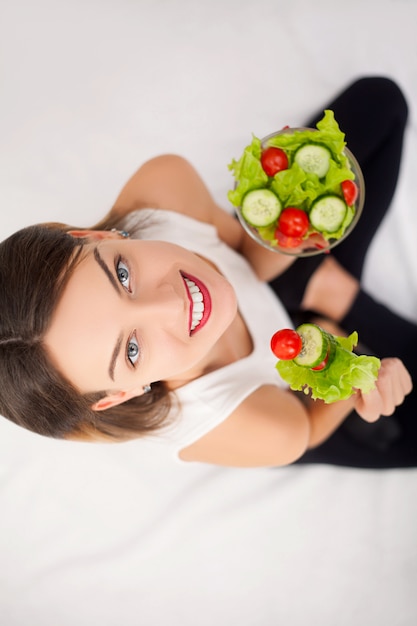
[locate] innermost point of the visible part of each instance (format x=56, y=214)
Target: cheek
x=166, y=357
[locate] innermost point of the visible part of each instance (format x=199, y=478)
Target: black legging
x=373, y=114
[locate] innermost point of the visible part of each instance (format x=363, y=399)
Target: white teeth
x=198, y=302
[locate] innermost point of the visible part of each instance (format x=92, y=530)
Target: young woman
x=157, y=321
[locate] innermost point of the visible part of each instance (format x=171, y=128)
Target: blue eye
x=132, y=352
x=123, y=274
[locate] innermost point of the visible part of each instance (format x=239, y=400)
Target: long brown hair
x=35, y=265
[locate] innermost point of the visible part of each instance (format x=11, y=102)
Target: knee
x=387, y=94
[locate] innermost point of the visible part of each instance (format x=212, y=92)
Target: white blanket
x=116, y=534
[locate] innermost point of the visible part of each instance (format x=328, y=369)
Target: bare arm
x=170, y=182
x=272, y=427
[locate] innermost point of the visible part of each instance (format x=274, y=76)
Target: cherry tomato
x=274, y=160
x=286, y=344
x=350, y=191
x=318, y=241
x=287, y=242
x=321, y=365
x=293, y=222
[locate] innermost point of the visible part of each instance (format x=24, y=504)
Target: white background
x=116, y=535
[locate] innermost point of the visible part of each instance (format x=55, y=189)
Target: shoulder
x=170, y=182
x=269, y=428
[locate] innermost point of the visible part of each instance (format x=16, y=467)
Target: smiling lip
x=206, y=301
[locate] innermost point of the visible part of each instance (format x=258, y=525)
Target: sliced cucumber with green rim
x=328, y=213
x=313, y=159
x=316, y=345
x=261, y=207
x=329, y=356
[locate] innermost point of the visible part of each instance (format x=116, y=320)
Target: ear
x=113, y=399
x=94, y=234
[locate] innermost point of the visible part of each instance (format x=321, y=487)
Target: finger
x=400, y=380
x=393, y=384
x=369, y=405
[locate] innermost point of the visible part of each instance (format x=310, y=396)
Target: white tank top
x=207, y=401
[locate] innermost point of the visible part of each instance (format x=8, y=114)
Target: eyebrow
x=106, y=270
x=116, y=286
x=114, y=356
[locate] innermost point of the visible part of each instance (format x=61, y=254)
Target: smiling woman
x=167, y=331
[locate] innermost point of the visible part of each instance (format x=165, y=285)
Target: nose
x=160, y=306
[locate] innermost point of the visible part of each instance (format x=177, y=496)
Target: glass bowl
x=313, y=242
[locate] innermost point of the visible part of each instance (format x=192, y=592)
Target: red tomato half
x=274, y=160
x=286, y=344
x=287, y=242
x=293, y=222
x=350, y=191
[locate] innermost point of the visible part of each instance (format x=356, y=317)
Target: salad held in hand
x=317, y=362
x=298, y=191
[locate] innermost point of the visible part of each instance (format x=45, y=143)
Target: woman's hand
x=393, y=384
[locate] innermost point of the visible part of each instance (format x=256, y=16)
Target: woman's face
x=135, y=312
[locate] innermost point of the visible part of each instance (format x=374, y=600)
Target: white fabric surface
x=110, y=535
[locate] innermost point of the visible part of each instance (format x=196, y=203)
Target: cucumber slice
x=261, y=207
x=329, y=356
x=327, y=213
x=315, y=345
x=313, y=159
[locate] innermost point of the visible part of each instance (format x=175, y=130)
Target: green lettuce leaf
x=296, y=188
x=248, y=172
x=346, y=373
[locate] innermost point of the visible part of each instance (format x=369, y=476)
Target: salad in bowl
x=299, y=191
